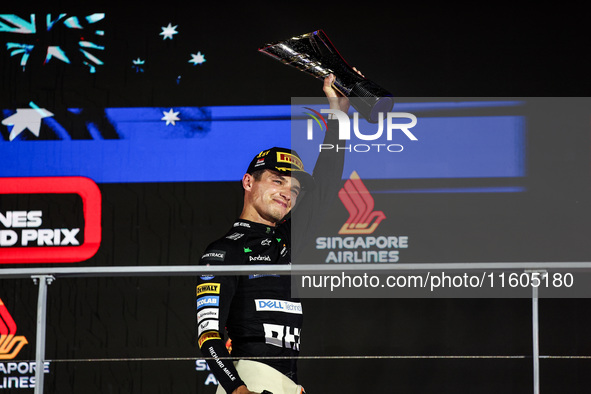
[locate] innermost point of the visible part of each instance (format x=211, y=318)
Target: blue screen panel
x=193, y=144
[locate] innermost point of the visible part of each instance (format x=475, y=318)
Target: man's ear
x=247, y=181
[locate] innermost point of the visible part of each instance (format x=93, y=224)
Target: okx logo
x=10, y=344
x=360, y=205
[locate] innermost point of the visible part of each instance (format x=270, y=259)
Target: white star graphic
x=138, y=64
x=26, y=118
x=170, y=117
x=169, y=31
x=197, y=58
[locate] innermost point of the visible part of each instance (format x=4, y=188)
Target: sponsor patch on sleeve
x=208, y=301
x=208, y=288
x=214, y=255
x=208, y=313
x=207, y=336
x=208, y=325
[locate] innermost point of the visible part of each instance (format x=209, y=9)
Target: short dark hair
x=258, y=174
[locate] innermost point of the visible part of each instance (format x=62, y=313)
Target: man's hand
x=243, y=390
x=336, y=99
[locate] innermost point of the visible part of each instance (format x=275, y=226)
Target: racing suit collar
x=254, y=226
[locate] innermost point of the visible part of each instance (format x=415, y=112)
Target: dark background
x=137, y=335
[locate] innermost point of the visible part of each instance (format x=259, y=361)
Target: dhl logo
x=360, y=204
x=10, y=344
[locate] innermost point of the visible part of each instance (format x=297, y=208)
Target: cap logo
x=263, y=153
x=283, y=157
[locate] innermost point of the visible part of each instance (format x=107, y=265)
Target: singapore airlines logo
x=10, y=344
x=360, y=205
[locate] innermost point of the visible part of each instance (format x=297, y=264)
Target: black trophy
x=314, y=54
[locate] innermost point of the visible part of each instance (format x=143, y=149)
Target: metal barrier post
x=42, y=281
x=536, y=329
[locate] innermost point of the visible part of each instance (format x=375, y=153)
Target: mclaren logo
x=10, y=344
x=360, y=204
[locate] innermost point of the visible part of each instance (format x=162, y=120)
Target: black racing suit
x=259, y=313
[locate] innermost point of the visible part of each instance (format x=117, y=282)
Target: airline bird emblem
x=360, y=204
x=10, y=344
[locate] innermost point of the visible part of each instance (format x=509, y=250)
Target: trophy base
x=371, y=100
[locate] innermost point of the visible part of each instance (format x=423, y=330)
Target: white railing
x=44, y=276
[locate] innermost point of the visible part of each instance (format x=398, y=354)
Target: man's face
x=273, y=195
